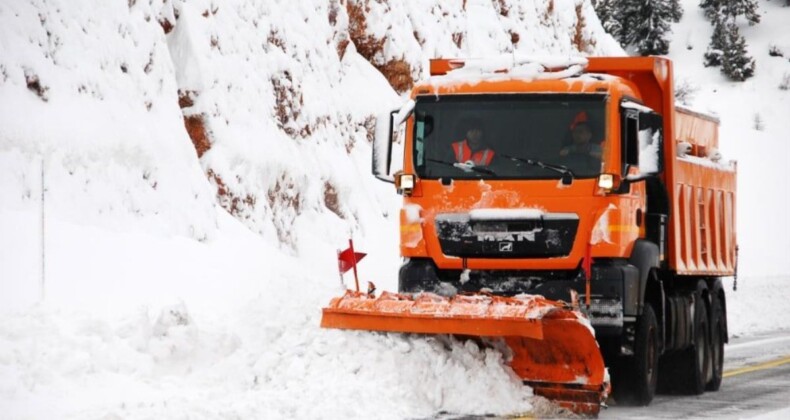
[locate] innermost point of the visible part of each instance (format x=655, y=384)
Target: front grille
x=550, y=235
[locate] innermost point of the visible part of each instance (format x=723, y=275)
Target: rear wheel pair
x=700, y=366
x=691, y=371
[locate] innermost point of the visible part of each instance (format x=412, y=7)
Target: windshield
x=510, y=136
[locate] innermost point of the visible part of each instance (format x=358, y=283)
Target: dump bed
x=702, y=221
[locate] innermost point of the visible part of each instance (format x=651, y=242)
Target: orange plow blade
x=554, y=350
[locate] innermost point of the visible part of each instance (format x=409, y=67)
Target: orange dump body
x=553, y=347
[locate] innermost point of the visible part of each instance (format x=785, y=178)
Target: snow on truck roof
x=471, y=71
x=511, y=64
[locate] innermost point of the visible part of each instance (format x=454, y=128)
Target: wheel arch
x=645, y=257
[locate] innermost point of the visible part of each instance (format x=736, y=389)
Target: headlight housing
x=404, y=183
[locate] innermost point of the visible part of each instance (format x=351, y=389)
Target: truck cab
x=556, y=193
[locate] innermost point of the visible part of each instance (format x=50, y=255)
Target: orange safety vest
x=463, y=153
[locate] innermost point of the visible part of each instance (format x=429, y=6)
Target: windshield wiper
x=464, y=167
x=567, y=174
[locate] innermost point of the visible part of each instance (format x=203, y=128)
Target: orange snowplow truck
x=545, y=197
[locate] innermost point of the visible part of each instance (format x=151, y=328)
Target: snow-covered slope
x=88, y=88
x=184, y=271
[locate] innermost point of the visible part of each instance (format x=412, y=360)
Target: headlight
x=608, y=182
x=404, y=183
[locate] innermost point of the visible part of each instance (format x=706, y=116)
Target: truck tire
x=686, y=371
x=717, y=334
x=638, y=375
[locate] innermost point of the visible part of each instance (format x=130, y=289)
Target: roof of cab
x=514, y=74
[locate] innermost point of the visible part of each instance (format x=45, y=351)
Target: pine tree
x=746, y=8
x=643, y=24
x=735, y=64
x=711, y=8
x=676, y=10
x=717, y=44
x=731, y=8
x=627, y=13
x=608, y=14
x=649, y=25
x=727, y=47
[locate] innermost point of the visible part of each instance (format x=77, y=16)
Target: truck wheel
x=701, y=349
x=638, y=374
x=717, y=333
x=686, y=371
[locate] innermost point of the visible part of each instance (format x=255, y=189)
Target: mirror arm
x=634, y=179
x=385, y=179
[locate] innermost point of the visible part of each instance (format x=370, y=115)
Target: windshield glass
x=511, y=136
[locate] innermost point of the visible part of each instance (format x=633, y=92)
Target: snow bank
x=176, y=364
x=758, y=305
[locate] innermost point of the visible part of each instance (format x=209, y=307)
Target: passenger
x=474, y=147
x=581, y=135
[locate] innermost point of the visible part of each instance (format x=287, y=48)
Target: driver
x=581, y=138
x=473, y=148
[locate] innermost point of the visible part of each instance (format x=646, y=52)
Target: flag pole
x=354, y=263
x=340, y=271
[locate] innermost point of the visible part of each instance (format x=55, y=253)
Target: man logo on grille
x=506, y=247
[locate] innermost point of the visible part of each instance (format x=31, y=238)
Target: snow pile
x=163, y=327
x=65, y=365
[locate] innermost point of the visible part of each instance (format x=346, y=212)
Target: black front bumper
x=613, y=287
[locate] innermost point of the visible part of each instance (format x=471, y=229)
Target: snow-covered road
x=756, y=384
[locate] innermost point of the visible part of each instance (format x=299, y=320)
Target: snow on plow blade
x=554, y=350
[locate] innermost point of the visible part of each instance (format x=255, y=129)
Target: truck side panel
x=703, y=202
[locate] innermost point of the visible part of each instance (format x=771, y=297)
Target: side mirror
x=642, y=139
x=382, y=144
x=382, y=147
x=629, y=141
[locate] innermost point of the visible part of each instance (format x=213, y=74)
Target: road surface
x=756, y=383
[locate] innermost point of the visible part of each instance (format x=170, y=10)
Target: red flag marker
x=348, y=259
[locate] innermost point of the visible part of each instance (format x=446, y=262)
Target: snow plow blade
x=554, y=350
